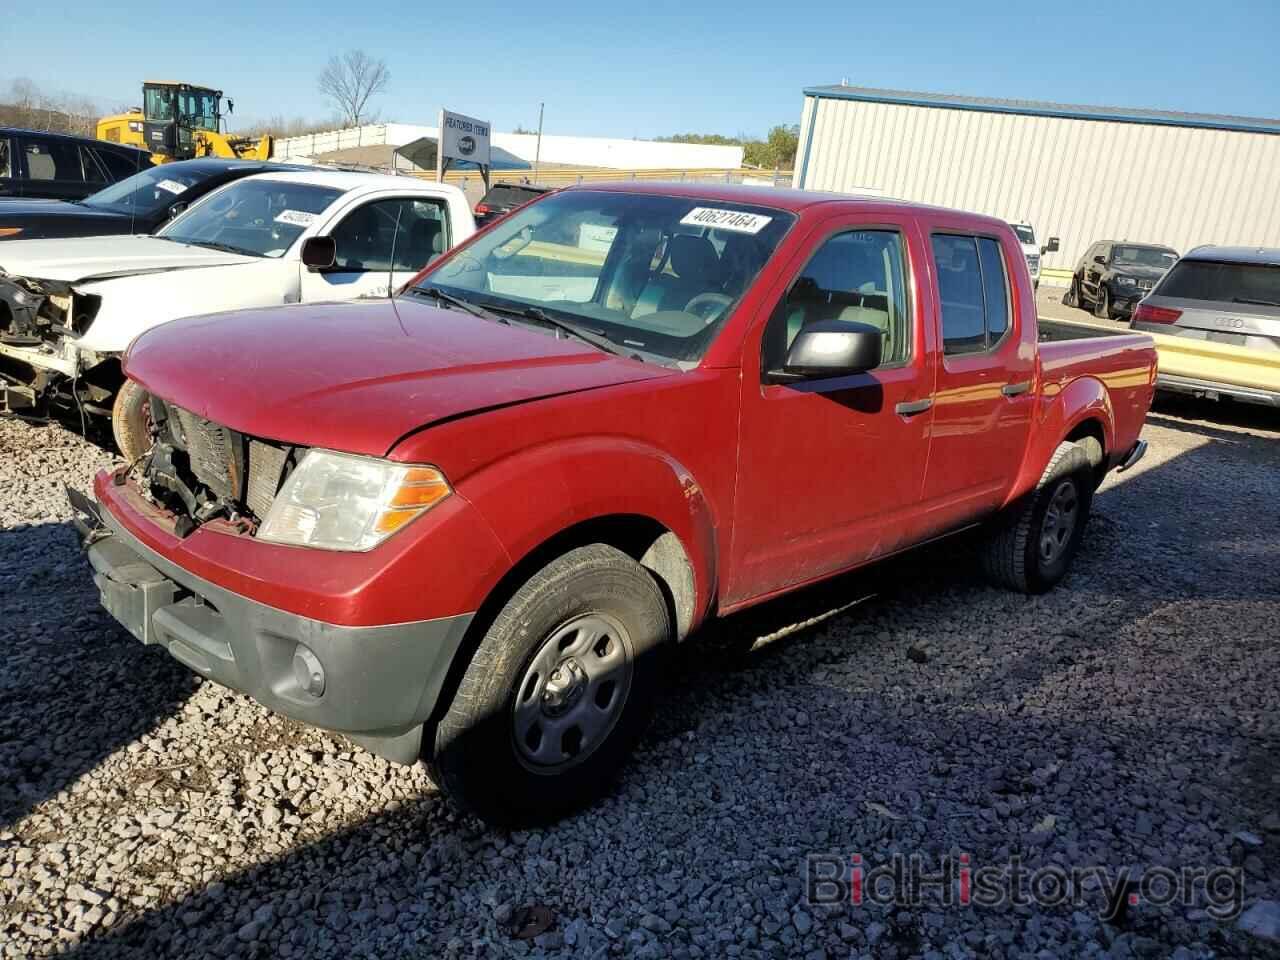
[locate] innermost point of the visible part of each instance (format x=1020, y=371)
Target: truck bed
x=1124, y=362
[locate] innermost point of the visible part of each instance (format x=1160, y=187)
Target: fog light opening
x=308, y=671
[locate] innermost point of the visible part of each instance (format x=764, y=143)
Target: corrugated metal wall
x=1080, y=180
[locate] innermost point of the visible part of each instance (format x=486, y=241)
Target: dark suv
x=1113, y=276
x=62, y=167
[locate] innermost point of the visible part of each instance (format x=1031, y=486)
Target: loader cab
x=175, y=113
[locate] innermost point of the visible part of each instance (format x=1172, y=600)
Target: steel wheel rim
x=572, y=693
x=1060, y=519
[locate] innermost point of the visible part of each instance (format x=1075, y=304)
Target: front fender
x=540, y=492
x=1061, y=411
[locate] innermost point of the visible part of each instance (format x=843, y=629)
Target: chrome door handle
x=912, y=407
x=1014, y=389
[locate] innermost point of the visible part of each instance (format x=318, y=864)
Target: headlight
x=338, y=501
x=1126, y=281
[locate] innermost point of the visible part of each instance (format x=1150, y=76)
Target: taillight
x=483, y=208
x=1146, y=313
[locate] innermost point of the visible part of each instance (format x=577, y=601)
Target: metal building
x=1074, y=172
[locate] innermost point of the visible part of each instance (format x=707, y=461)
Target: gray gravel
x=1127, y=719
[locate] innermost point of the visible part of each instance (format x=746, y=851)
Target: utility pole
x=537, y=153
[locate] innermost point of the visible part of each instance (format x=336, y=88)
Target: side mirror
x=833, y=348
x=178, y=208
x=1051, y=247
x=319, y=253
x=1100, y=260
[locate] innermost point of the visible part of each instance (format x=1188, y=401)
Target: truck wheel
x=1030, y=547
x=1072, y=297
x=131, y=421
x=1102, y=306
x=558, y=692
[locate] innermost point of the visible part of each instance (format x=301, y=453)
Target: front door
x=381, y=245
x=830, y=472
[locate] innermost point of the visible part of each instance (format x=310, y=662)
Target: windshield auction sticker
x=297, y=218
x=173, y=186
x=734, y=221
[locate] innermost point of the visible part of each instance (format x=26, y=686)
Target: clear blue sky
x=654, y=67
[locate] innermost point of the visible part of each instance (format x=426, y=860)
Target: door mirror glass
x=1052, y=246
x=832, y=348
x=1100, y=259
x=319, y=253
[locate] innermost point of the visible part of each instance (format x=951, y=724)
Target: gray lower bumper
x=1213, y=391
x=377, y=685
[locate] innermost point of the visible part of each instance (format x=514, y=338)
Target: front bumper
x=378, y=685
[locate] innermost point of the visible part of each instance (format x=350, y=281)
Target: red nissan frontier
x=464, y=524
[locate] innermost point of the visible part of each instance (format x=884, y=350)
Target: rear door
x=985, y=395
x=54, y=169
x=382, y=243
x=1222, y=302
x=831, y=471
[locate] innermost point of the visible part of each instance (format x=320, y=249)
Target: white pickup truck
x=69, y=308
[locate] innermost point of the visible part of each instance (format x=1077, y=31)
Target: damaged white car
x=69, y=308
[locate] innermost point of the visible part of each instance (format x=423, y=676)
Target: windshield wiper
x=215, y=245
x=597, y=340
x=449, y=298
x=1259, y=303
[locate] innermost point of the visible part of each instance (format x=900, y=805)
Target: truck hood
x=360, y=376
x=101, y=258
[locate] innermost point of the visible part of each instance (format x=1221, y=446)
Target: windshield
x=255, y=216
x=198, y=109
x=1025, y=233
x=1144, y=256
x=655, y=275
x=1257, y=283
x=147, y=192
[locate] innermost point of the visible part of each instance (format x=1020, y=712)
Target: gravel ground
x=1128, y=719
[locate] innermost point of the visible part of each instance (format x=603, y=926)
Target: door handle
x=911, y=407
x=1014, y=389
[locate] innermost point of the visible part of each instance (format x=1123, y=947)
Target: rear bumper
x=377, y=684
x=1213, y=391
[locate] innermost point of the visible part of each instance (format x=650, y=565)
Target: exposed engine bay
x=202, y=471
x=40, y=365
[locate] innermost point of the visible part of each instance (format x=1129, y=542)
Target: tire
x=1102, y=305
x=131, y=421
x=497, y=750
x=1017, y=551
x=1072, y=297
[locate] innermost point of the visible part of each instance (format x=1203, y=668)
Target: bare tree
x=351, y=80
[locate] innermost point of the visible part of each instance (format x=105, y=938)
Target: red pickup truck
x=464, y=524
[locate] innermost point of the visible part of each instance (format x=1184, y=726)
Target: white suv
x=70, y=307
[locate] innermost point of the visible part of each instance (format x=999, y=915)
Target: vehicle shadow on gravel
x=905, y=709
x=74, y=688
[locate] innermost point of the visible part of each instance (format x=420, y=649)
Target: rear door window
x=53, y=160
x=6, y=159
x=1256, y=283
x=973, y=288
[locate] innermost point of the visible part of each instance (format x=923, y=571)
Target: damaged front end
x=40, y=363
x=202, y=471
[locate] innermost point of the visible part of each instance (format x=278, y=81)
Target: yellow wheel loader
x=179, y=121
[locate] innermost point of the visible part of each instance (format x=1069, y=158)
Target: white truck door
x=381, y=244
